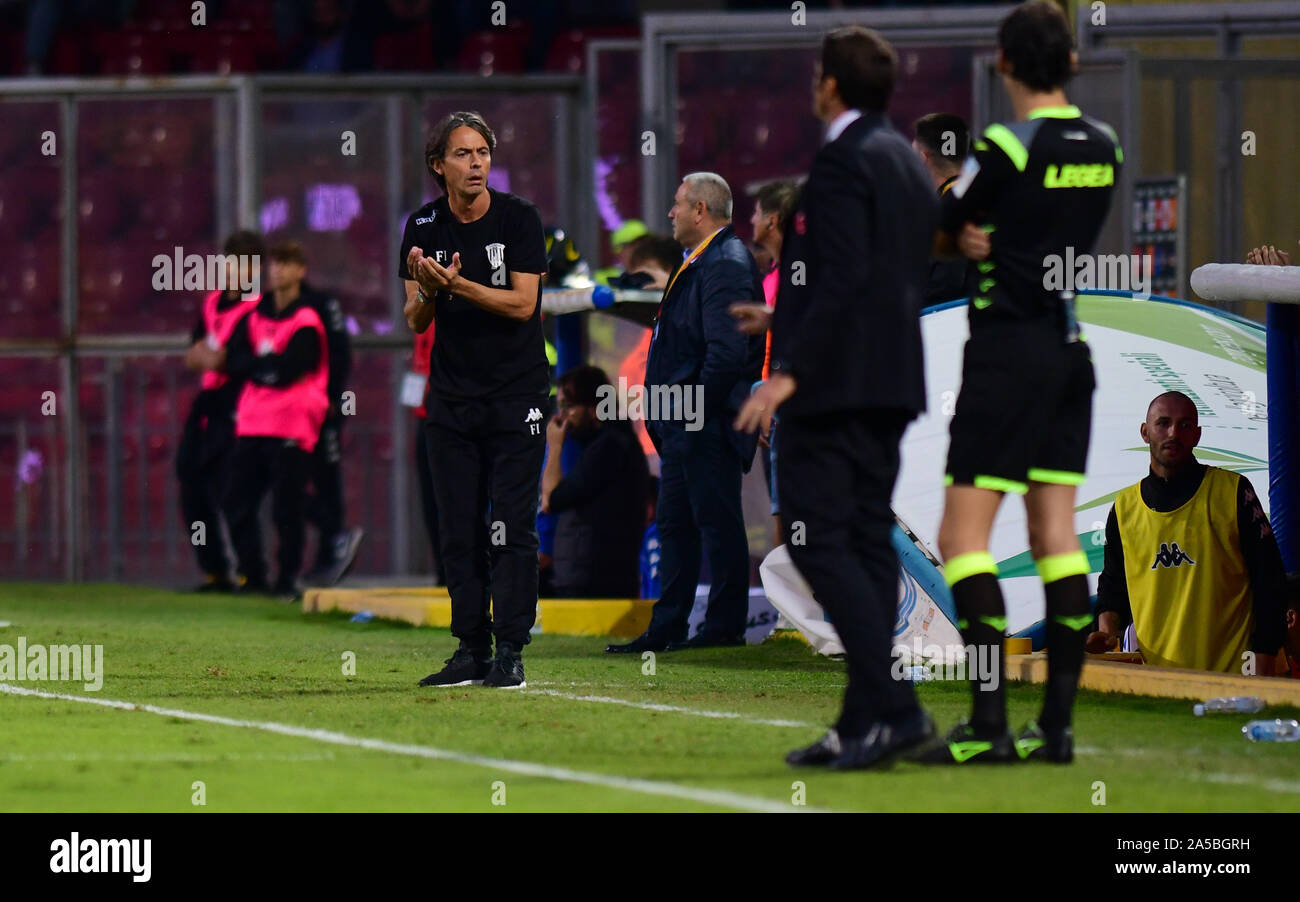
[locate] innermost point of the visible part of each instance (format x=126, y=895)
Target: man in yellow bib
x=1190, y=559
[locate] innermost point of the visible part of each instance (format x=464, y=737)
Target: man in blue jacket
x=698, y=374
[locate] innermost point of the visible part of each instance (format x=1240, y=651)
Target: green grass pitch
x=401, y=748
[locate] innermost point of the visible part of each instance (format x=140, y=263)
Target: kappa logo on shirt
x=425, y=220
x=1170, y=555
x=532, y=420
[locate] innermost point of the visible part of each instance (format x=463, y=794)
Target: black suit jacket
x=696, y=341
x=854, y=266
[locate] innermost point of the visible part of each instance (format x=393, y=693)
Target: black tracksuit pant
x=486, y=461
x=203, y=468
x=325, y=505
x=835, y=478
x=263, y=464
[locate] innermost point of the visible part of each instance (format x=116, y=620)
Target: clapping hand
x=431, y=275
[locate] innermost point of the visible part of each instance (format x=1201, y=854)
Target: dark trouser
x=486, y=459
x=835, y=475
x=699, y=513
x=325, y=507
x=428, y=503
x=261, y=464
x=203, y=468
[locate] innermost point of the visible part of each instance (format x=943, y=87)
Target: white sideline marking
x=1268, y=783
x=1272, y=785
x=719, y=797
x=674, y=709
x=215, y=758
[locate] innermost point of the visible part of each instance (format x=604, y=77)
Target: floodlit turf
x=256, y=660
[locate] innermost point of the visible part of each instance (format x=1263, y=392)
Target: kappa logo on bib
x=1171, y=555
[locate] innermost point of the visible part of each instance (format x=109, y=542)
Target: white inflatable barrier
x=921, y=632
x=1247, y=282
x=788, y=593
x=556, y=301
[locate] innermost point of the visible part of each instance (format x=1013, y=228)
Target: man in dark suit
x=847, y=375
x=698, y=374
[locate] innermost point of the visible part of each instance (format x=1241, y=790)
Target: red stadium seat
x=254, y=14
x=405, y=51
x=224, y=52
x=15, y=214
x=71, y=54
x=489, y=52
x=568, y=52
x=99, y=207
x=12, y=49
x=134, y=52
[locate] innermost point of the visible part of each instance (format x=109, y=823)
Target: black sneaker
x=1036, y=744
x=252, y=586
x=963, y=745
x=819, y=754
x=214, y=583
x=286, y=592
x=464, y=668
x=507, y=669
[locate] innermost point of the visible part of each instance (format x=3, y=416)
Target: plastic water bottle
x=1272, y=730
x=918, y=673
x=1233, y=705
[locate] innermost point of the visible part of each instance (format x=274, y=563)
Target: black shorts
x=1025, y=409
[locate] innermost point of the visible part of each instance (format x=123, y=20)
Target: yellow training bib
x=1187, y=581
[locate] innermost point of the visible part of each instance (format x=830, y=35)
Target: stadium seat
x=72, y=53
x=15, y=214
x=99, y=208
x=134, y=52
x=224, y=52
x=162, y=10
x=490, y=52
x=12, y=50
x=405, y=51
x=568, y=52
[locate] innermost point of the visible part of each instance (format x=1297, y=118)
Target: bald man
x=1190, y=559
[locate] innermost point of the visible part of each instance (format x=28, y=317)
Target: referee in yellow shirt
x=1190, y=559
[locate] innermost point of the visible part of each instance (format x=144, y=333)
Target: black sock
x=982, y=623
x=1069, y=615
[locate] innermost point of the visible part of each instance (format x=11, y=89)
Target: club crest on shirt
x=496, y=254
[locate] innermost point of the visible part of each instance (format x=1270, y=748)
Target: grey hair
x=713, y=190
